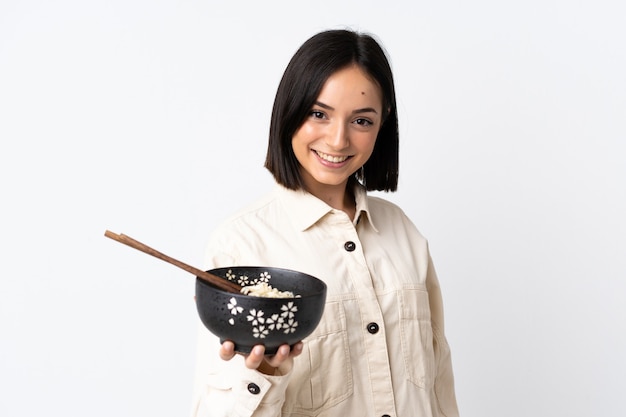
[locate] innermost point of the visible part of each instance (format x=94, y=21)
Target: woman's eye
x=317, y=114
x=363, y=122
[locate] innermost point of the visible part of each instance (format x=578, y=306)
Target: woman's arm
x=229, y=385
x=444, y=379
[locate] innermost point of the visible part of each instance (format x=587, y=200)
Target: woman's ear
x=385, y=115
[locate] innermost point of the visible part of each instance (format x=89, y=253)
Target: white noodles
x=263, y=289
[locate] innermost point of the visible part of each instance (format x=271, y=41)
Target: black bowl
x=249, y=320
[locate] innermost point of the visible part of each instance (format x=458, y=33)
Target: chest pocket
x=416, y=336
x=322, y=374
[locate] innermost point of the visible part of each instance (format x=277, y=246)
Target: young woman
x=380, y=348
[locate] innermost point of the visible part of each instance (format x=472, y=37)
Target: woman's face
x=339, y=134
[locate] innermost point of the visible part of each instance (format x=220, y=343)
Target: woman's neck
x=338, y=197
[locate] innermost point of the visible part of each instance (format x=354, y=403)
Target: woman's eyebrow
x=323, y=105
x=363, y=110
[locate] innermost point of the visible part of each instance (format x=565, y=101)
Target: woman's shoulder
x=377, y=204
x=242, y=232
x=254, y=211
x=388, y=215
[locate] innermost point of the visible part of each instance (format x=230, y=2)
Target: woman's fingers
x=281, y=355
x=227, y=350
x=296, y=349
x=257, y=359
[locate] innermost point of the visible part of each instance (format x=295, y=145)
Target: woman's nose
x=337, y=136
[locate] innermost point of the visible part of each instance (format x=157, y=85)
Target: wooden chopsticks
x=206, y=276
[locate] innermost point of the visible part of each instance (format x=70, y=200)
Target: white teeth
x=330, y=158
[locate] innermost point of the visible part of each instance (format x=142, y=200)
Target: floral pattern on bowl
x=261, y=325
x=249, y=320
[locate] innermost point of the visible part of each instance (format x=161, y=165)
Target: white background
x=150, y=118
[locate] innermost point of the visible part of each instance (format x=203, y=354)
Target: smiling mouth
x=331, y=158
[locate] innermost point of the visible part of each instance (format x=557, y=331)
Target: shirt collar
x=305, y=209
x=362, y=210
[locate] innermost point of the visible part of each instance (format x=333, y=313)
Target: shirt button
x=386, y=415
x=253, y=388
x=349, y=246
x=373, y=329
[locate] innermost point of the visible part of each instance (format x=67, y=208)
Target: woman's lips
x=331, y=158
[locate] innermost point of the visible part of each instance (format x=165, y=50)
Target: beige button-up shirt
x=379, y=349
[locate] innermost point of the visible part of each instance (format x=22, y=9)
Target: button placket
x=360, y=277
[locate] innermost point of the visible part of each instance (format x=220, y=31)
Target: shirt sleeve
x=229, y=389
x=445, y=396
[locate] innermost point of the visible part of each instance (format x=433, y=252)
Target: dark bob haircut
x=313, y=63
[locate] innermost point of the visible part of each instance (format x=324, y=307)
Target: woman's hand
x=257, y=359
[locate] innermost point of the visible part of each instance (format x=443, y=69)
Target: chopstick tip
x=109, y=233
